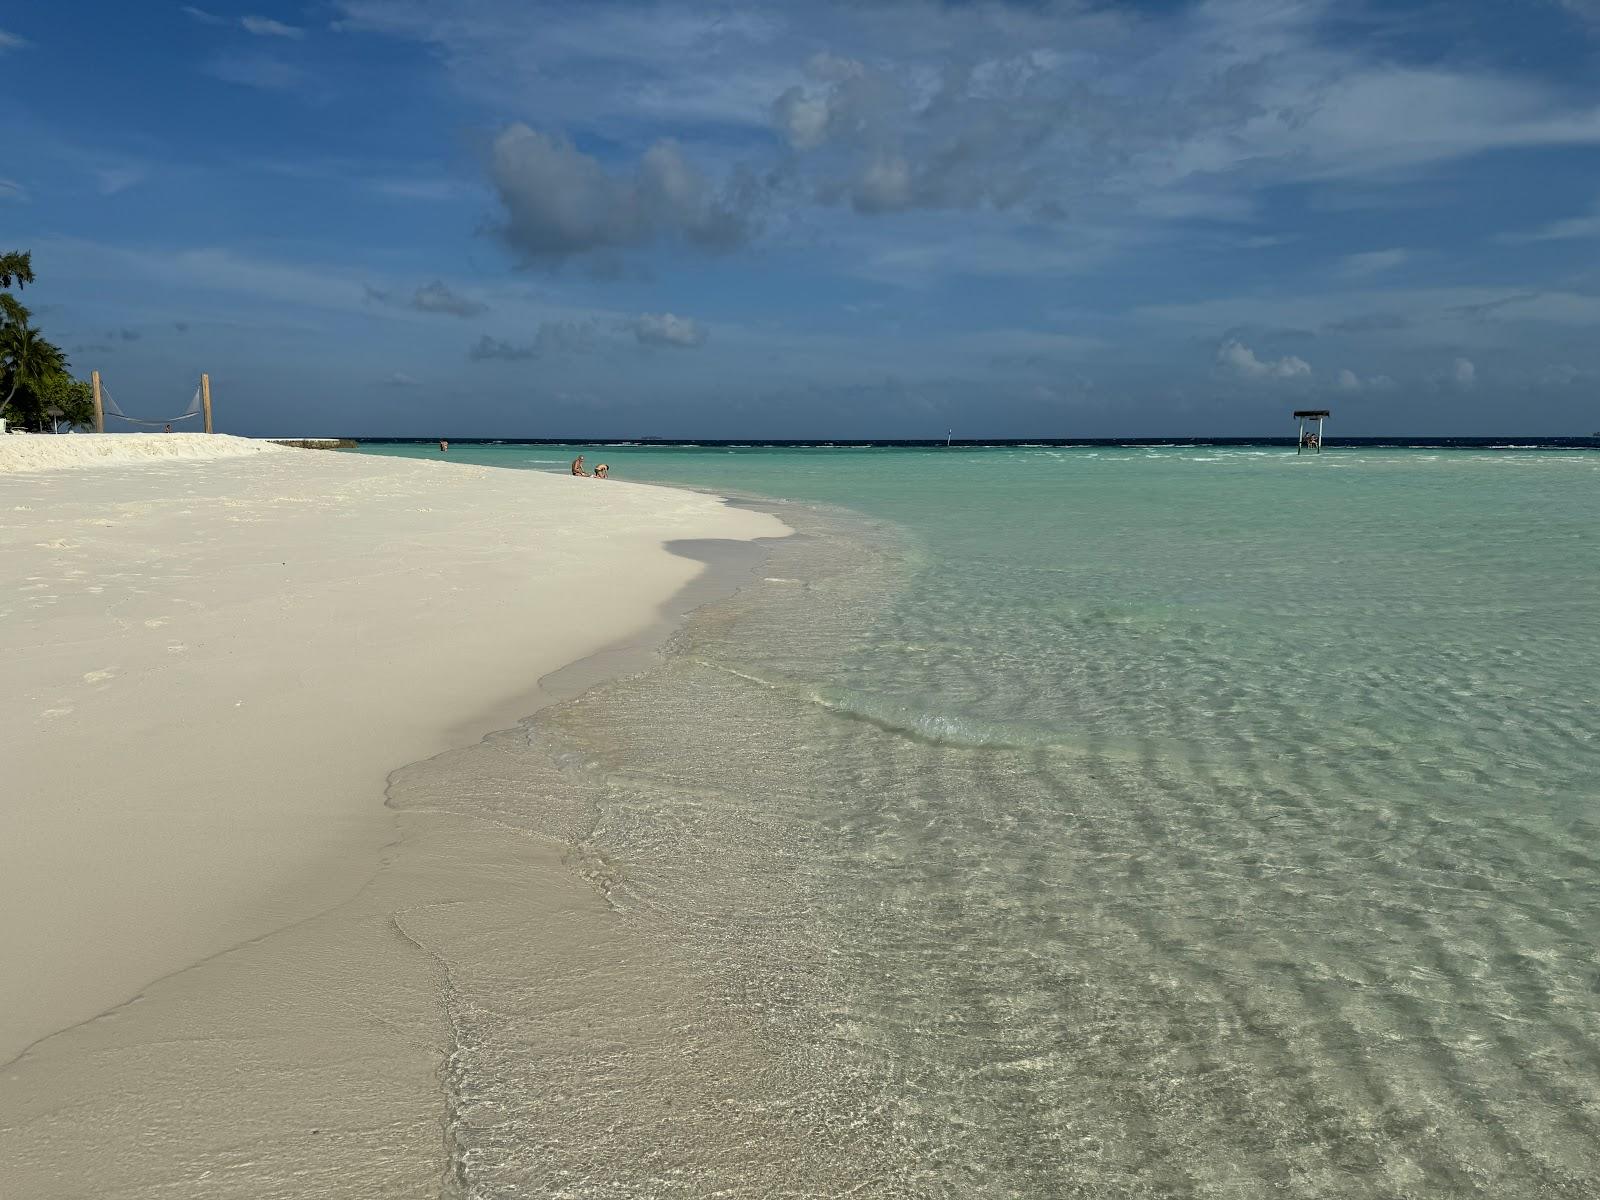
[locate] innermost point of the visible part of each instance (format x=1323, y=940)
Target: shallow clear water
x=1094, y=821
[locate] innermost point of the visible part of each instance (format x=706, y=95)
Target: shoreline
x=593, y=644
x=719, y=928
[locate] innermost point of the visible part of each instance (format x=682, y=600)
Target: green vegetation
x=73, y=398
x=34, y=379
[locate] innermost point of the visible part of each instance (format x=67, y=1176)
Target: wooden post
x=99, y=405
x=205, y=399
x=1300, y=442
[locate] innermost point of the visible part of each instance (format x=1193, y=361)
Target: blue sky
x=502, y=218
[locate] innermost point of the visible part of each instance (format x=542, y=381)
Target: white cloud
x=802, y=118
x=10, y=41
x=437, y=298
x=258, y=26
x=10, y=189
x=433, y=297
x=1234, y=356
x=1372, y=262
x=841, y=98
x=1349, y=381
x=671, y=63
x=666, y=329
x=884, y=185
x=400, y=379
x=1464, y=373
x=267, y=27
x=1346, y=126
x=562, y=202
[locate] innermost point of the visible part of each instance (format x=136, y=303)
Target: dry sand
x=211, y=667
x=29, y=453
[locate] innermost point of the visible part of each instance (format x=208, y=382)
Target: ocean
x=1104, y=821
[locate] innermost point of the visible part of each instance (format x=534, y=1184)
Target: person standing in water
x=577, y=466
x=444, y=446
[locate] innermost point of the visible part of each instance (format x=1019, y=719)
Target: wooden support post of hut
x=205, y=399
x=1308, y=440
x=99, y=404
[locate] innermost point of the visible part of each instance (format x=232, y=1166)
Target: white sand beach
x=214, y=662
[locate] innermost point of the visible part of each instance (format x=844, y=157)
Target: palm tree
x=12, y=312
x=29, y=361
x=16, y=266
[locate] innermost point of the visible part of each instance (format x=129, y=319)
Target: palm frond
x=16, y=266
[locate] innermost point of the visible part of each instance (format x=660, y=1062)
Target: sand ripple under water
x=1103, y=862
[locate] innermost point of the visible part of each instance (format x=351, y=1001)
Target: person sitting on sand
x=577, y=466
x=601, y=470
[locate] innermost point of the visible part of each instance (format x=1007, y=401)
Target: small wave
x=935, y=728
x=736, y=673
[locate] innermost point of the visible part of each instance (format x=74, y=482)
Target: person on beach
x=444, y=446
x=166, y=428
x=577, y=466
x=601, y=470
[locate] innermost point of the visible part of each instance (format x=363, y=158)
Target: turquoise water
x=1105, y=822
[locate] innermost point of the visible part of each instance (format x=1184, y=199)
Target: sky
x=884, y=218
